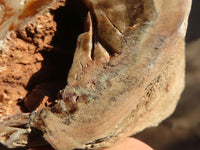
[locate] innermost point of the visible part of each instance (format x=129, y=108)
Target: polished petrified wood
x=127, y=72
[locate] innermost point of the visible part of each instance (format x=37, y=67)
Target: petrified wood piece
x=127, y=74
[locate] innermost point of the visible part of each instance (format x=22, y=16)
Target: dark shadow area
x=52, y=77
x=193, y=31
x=188, y=144
x=69, y=21
x=36, y=139
x=5, y=148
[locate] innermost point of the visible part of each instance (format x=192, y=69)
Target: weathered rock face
x=20, y=57
x=127, y=74
x=181, y=130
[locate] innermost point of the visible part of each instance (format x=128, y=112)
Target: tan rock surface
x=127, y=74
x=181, y=130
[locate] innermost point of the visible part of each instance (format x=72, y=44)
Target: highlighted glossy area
x=33, y=8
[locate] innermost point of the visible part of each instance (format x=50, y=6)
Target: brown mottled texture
x=20, y=58
x=127, y=74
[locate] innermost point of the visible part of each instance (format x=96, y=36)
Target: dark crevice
x=108, y=48
x=70, y=23
x=52, y=77
x=96, y=38
x=94, y=34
